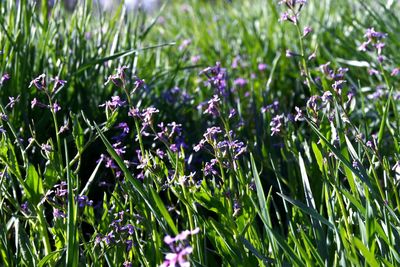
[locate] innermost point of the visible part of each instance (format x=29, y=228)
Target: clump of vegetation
x=207, y=133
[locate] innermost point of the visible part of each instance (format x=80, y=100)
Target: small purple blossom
x=372, y=72
x=209, y=168
x=181, y=236
x=114, y=103
x=216, y=78
x=58, y=84
x=195, y=59
x=276, y=125
x=118, y=78
x=262, y=66
x=395, y=72
x=39, y=82
x=46, y=147
x=12, y=101
x=299, y=114
x=61, y=189
x=290, y=54
x=241, y=82
x=56, y=107
x=213, y=108
x=134, y=112
x=124, y=127
x=58, y=214
x=306, y=31
x=338, y=86
x=185, y=43
x=5, y=77
x=83, y=201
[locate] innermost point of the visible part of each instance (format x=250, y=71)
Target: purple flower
x=373, y=72
x=12, y=101
x=4, y=78
x=147, y=115
x=200, y=145
x=83, y=201
x=209, y=168
x=395, y=72
x=276, y=125
x=56, y=107
x=235, y=62
x=117, y=102
x=216, y=78
x=118, y=149
x=262, y=66
x=160, y=153
x=232, y=113
x=179, y=254
x=114, y=103
x=58, y=84
x=109, y=238
x=185, y=43
x=134, y=112
x=213, y=106
x=195, y=59
x=181, y=236
x=138, y=83
x=61, y=189
x=211, y=133
x=173, y=148
x=25, y=207
x=338, y=86
x=355, y=164
x=118, y=78
x=46, y=147
x=178, y=258
x=289, y=53
x=124, y=126
x=371, y=34
x=39, y=82
x=306, y=31
x=379, y=46
x=175, y=129
x=299, y=114
x=327, y=96
x=240, y=82
x=58, y=214
x=284, y=17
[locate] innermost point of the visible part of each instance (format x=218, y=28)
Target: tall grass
x=206, y=132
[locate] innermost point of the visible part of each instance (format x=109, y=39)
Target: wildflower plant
x=129, y=151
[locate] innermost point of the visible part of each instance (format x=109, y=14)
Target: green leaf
x=318, y=156
x=368, y=255
x=77, y=133
x=309, y=211
x=50, y=257
x=163, y=210
x=34, y=185
x=72, y=258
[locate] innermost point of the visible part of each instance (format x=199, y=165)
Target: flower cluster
x=217, y=78
x=180, y=249
x=374, y=39
x=293, y=9
x=121, y=232
x=223, y=147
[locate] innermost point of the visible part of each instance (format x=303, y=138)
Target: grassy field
x=204, y=133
